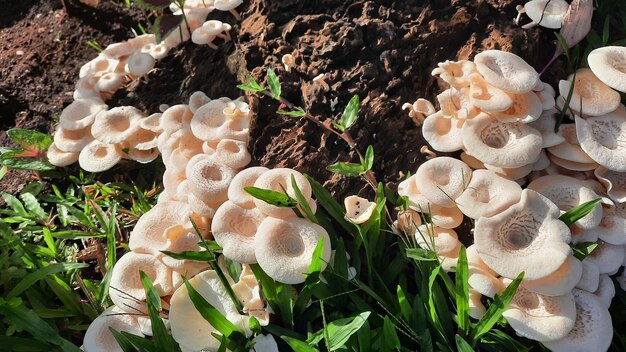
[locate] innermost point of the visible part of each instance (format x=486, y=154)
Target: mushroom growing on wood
x=81, y=113
x=279, y=180
x=443, y=133
x=116, y=125
x=245, y=178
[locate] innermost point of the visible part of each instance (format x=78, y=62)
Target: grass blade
x=41, y=273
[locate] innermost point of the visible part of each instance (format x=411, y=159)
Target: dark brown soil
x=381, y=50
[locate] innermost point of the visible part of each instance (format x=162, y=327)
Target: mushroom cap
x=152, y=123
x=481, y=277
x=605, y=291
x=234, y=228
x=488, y=194
x=612, y=228
x=288, y=60
x=226, y=5
x=571, y=165
x=358, y=210
x=502, y=144
x=567, y=193
x=116, y=125
x=98, y=337
x=441, y=180
x=477, y=309
x=277, y=180
x=608, y=257
x=209, y=180
x=447, y=218
x=547, y=96
x=57, y=157
x=602, y=138
x=109, y=82
x=143, y=140
x=72, y=141
x=176, y=118
x=196, y=100
x=615, y=183
x=98, y=156
x=189, y=328
x=539, y=317
x=212, y=27
x=417, y=201
x=232, y=153
x=590, y=278
x=455, y=73
x=217, y=120
x=439, y=240
x=487, y=97
x=570, y=149
x=442, y=133
x=512, y=173
x=456, y=103
x=407, y=222
x=284, y=248
x=547, y=13
x=592, y=330
x=139, y=64
x=526, y=108
x=560, y=282
x=201, y=208
x=609, y=65
x=201, y=37
x=81, y=113
x=545, y=125
x=126, y=290
x=244, y=178
x=143, y=156
x=590, y=96
x=528, y=237
x=506, y=71
x=149, y=234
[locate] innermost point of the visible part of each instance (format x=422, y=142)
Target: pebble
x=19, y=53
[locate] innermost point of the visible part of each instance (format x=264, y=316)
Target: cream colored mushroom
x=57, y=157
x=139, y=64
x=126, y=290
x=570, y=149
x=572, y=165
x=228, y=5
x=439, y=240
x=232, y=153
x=81, y=113
x=443, y=133
x=539, y=317
x=477, y=309
x=284, y=248
x=244, y=178
x=196, y=100
x=447, y=218
x=545, y=125
x=512, y=173
x=72, y=141
x=210, y=122
x=605, y=291
x=506, y=71
x=176, y=118
x=547, y=96
x=419, y=110
x=98, y=156
x=209, y=180
x=528, y=237
x=234, y=229
x=455, y=73
x=249, y=293
x=592, y=329
x=590, y=96
x=189, y=328
x=487, y=97
x=612, y=228
x=288, y=61
x=560, y=282
x=358, y=210
x=609, y=65
x=116, y=125
x=441, y=180
x=277, y=180
x=590, y=278
x=546, y=13
x=526, y=108
x=152, y=123
x=108, y=83
x=602, y=138
x=456, y=103
x=407, y=222
x=487, y=194
x=608, y=257
x=143, y=156
x=98, y=336
x=149, y=235
x=502, y=144
x=615, y=183
x=417, y=201
x=182, y=238
x=481, y=278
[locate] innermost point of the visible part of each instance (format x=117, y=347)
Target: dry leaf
x=577, y=21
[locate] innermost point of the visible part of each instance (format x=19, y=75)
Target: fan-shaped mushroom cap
x=288, y=62
x=419, y=109
x=210, y=122
x=142, y=140
x=109, y=82
x=98, y=156
x=232, y=153
x=592, y=330
x=176, y=118
x=189, y=328
x=590, y=96
x=545, y=125
x=502, y=144
x=226, y=5
x=526, y=108
x=212, y=27
x=456, y=103
x=57, y=157
x=209, y=180
x=245, y=178
x=476, y=308
x=567, y=193
x=98, y=337
x=417, y=201
x=547, y=13
x=481, y=277
x=488, y=194
x=81, y=113
x=605, y=291
x=539, y=317
x=608, y=257
x=506, y=71
x=196, y=100
x=609, y=65
x=590, y=277
x=455, y=73
x=612, y=228
x=358, y=210
x=528, y=236
x=201, y=208
x=149, y=235
x=284, y=248
x=487, y=97
x=152, y=123
x=615, y=183
x=439, y=240
x=139, y=64
x=72, y=141
x=234, y=228
x=277, y=180
x=126, y=290
x=201, y=37
x=602, y=138
x=472, y=161
x=116, y=125
x=560, y=282
x=442, y=133
x=181, y=238
x=441, y=180
x=570, y=149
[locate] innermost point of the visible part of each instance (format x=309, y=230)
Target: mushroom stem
x=529, y=25
x=236, y=14
x=520, y=10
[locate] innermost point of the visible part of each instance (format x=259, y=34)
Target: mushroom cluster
x=516, y=178
x=196, y=27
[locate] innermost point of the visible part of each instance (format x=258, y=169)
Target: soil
x=381, y=50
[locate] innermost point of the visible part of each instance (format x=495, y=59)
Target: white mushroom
x=210, y=122
x=149, y=235
x=605, y=291
x=209, y=180
x=288, y=61
x=546, y=13
x=506, y=71
x=116, y=125
x=442, y=180
x=609, y=65
x=98, y=337
x=590, y=97
x=244, y=178
x=455, y=73
x=277, y=180
x=443, y=133
x=98, y=156
x=570, y=149
x=234, y=229
x=525, y=108
x=602, y=138
x=139, y=64
x=481, y=277
x=608, y=257
x=487, y=97
x=72, y=141
x=487, y=194
x=615, y=183
x=590, y=277
x=560, y=282
x=358, y=210
x=81, y=113
x=57, y=157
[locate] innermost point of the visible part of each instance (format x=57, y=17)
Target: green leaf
x=152, y=295
x=15, y=204
x=274, y=83
x=3, y=171
x=162, y=339
x=298, y=112
x=495, y=310
x=462, y=345
x=574, y=214
x=317, y=263
x=33, y=206
x=347, y=169
x=390, y=339
x=340, y=331
x=421, y=254
x=368, y=161
x=122, y=341
x=606, y=31
x=13, y=160
x=350, y=114
x=251, y=86
x=29, y=138
x=196, y=256
x=568, y=99
x=41, y=273
x=462, y=291
x=47, y=237
x=272, y=197
x=405, y=306
x=302, y=201
x=326, y=200
x=297, y=345
x=210, y=313
x=582, y=250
